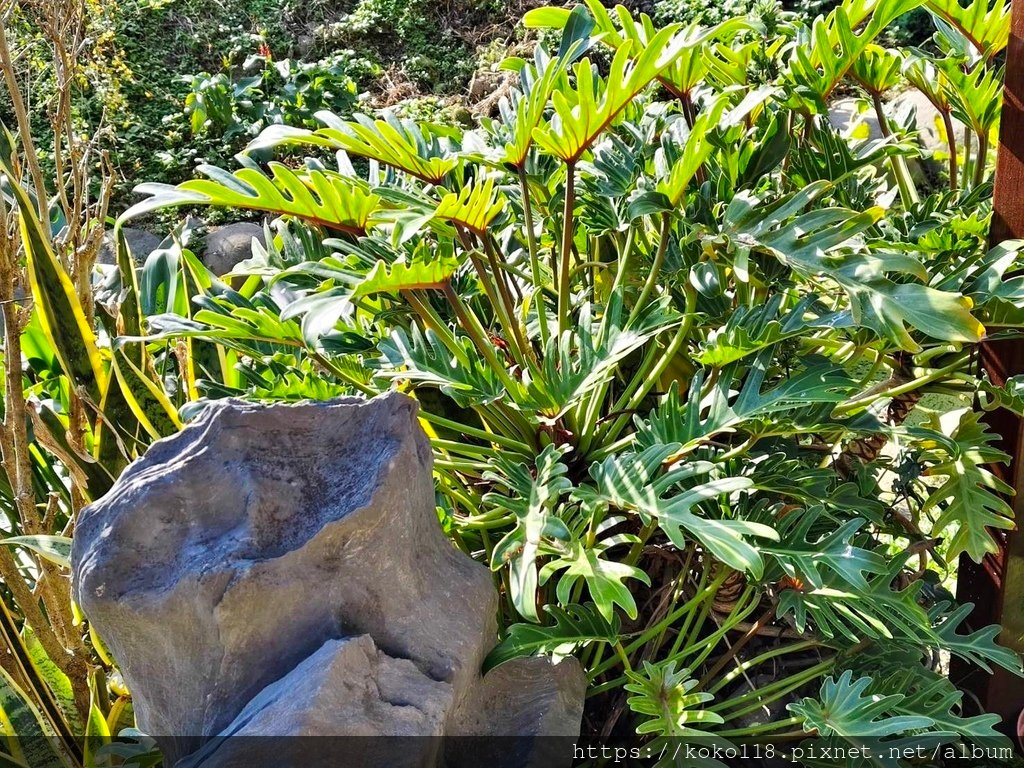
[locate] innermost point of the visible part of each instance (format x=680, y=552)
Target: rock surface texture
x=140, y=242
x=280, y=571
x=229, y=245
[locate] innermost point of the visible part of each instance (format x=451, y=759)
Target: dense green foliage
x=677, y=345
x=660, y=344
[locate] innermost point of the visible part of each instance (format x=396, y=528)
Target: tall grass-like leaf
x=56, y=549
x=23, y=732
x=61, y=314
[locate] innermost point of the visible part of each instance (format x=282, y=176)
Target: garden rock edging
x=264, y=545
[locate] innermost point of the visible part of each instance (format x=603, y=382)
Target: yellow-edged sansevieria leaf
x=61, y=313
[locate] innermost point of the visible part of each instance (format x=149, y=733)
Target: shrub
x=666, y=328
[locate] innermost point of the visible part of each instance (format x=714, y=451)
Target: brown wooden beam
x=996, y=586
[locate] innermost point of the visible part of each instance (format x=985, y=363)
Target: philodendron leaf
x=828, y=241
x=474, y=207
x=534, y=495
x=402, y=276
x=970, y=500
x=575, y=626
x=605, y=578
x=979, y=647
x=844, y=709
x=666, y=699
x=325, y=198
x=631, y=482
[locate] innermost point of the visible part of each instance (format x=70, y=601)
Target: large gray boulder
x=229, y=245
x=280, y=570
x=140, y=242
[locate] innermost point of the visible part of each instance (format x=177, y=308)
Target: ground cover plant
x=678, y=345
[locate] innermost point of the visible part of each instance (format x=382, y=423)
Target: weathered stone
x=267, y=542
x=230, y=245
x=140, y=242
x=928, y=119
x=846, y=116
x=349, y=688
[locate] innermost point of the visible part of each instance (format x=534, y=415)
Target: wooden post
x=996, y=586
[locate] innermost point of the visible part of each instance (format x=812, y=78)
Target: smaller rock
x=230, y=245
x=846, y=116
x=140, y=242
x=484, y=83
x=929, y=120
x=525, y=712
x=349, y=688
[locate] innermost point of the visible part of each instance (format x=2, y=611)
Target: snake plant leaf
x=58, y=683
x=26, y=740
x=575, y=626
x=56, y=549
x=61, y=313
x=93, y=475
